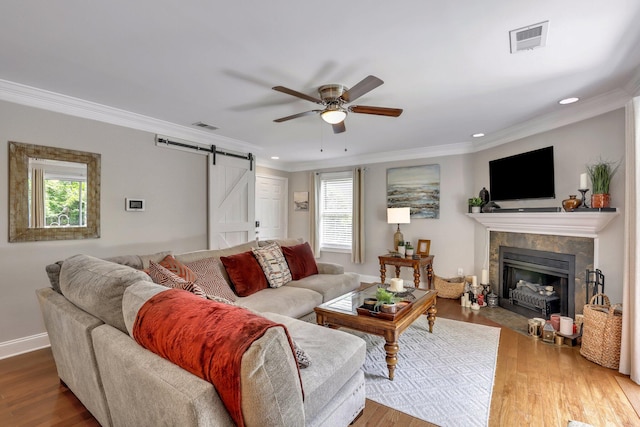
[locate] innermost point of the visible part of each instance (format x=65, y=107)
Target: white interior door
x=271, y=207
x=231, y=201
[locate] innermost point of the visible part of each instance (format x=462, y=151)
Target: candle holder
x=584, y=198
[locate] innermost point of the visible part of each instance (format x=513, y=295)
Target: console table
x=416, y=264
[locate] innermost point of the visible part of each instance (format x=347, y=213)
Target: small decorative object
x=571, y=203
x=370, y=303
x=398, y=216
x=388, y=307
x=481, y=300
x=408, y=251
x=559, y=340
x=401, y=248
x=490, y=207
x=301, y=201
x=423, y=247
x=566, y=325
x=484, y=195
x=492, y=300
x=601, y=174
x=384, y=297
x=555, y=321
x=583, y=191
x=476, y=204
x=475, y=306
x=548, y=333
x=484, y=278
x=535, y=329
x=397, y=285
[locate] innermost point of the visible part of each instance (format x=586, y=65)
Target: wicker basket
x=449, y=288
x=602, y=332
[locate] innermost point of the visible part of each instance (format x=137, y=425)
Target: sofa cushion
x=245, y=273
x=210, y=278
x=330, y=286
x=97, y=286
x=165, y=277
x=273, y=264
x=290, y=241
x=217, y=253
x=290, y=301
x=178, y=268
x=336, y=356
x=300, y=260
x=247, y=357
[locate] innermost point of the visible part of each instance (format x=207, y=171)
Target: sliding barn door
x=231, y=201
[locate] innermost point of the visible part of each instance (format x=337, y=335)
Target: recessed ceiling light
x=478, y=135
x=568, y=101
x=275, y=158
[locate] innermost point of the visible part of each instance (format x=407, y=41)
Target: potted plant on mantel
x=600, y=174
x=475, y=203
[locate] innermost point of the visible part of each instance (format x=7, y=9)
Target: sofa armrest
x=329, y=268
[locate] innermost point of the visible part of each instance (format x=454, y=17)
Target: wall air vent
x=530, y=37
x=205, y=126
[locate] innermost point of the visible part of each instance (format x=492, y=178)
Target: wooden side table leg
x=431, y=316
x=391, y=347
x=416, y=276
x=383, y=272
x=429, y=275
x=397, y=271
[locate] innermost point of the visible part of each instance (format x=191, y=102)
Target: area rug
x=445, y=378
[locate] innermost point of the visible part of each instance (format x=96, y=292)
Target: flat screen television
x=528, y=175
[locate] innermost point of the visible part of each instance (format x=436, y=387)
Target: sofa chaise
x=90, y=314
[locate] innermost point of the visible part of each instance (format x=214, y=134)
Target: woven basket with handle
x=602, y=332
x=449, y=288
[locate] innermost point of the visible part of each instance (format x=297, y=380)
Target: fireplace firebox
x=536, y=283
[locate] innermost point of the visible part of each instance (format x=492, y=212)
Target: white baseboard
x=23, y=345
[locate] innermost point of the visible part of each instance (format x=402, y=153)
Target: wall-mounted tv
x=528, y=175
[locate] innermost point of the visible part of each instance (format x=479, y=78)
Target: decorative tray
x=403, y=307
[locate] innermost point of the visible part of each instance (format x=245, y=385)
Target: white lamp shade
x=398, y=215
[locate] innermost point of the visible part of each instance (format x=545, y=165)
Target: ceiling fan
x=334, y=98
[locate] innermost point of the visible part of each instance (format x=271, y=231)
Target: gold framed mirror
x=54, y=193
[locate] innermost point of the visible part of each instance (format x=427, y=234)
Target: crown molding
x=585, y=109
x=52, y=101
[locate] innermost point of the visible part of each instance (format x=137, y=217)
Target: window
x=335, y=206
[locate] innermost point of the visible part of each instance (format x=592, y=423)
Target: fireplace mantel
x=581, y=224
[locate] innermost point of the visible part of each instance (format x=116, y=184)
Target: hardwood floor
x=536, y=384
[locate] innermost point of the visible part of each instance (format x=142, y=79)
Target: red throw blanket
x=204, y=337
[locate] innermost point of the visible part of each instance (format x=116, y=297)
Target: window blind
x=335, y=210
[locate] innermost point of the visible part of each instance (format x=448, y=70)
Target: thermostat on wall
x=134, y=204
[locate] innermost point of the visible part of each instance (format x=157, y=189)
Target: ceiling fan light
x=333, y=116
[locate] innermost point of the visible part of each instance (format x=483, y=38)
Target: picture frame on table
x=423, y=247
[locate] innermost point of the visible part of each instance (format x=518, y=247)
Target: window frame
x=332, y=246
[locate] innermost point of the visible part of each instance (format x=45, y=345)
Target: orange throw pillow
x=178, y=268
x=301, y=261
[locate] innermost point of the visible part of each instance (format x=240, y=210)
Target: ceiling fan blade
x=297, y=94
x=339, y=127
x=295, y=116
x=379, y=111
x=365, y=85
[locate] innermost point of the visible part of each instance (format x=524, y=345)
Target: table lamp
x=398, y=216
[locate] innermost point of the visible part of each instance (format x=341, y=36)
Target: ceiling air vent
x=528, y=38
x=205, y=126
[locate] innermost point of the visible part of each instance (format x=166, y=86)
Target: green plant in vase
x=475, y=203
x=384, y=297
x=601, y=174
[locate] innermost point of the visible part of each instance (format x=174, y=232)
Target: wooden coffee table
x=342, y=312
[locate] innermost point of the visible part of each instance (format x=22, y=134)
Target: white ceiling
x=446, y=63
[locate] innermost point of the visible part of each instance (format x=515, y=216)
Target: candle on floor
x=485, y=277
x=474, y=280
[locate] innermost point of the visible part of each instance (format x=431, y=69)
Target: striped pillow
x=178, y=268
x=275, y=267
x=165, y=277
x=210, y=279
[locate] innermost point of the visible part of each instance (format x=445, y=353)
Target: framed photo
x=423, y=247
x=301, y=201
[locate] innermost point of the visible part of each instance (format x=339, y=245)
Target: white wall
x=451, y=235
x=172, y=182
x=575, y=146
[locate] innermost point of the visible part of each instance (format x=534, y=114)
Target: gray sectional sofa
x=89, y=312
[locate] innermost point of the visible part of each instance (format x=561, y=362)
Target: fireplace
x=536, y=283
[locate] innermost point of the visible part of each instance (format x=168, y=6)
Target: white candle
x=583, y=182
x=396, y=285
x=485, y=277
x=474, y=280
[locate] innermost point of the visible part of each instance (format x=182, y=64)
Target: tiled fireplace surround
x=562, y=232
x=581, y=247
